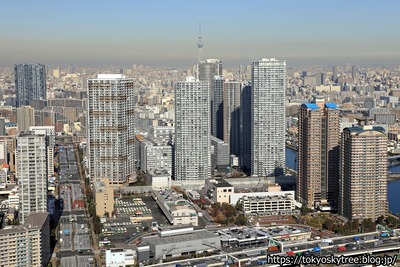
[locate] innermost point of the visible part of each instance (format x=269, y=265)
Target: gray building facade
x=30, y=83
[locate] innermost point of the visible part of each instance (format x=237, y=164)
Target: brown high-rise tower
x=318, y=155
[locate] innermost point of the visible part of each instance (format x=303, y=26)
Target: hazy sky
x=165, y=32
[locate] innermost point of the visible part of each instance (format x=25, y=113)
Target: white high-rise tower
x=268, y=78
x=110, y=128
x=31, y=170
x=192, y=130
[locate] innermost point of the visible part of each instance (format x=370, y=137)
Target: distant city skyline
x=165, y=33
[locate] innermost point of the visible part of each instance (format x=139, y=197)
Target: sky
x=165, y=32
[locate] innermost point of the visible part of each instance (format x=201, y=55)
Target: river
x=393, y=186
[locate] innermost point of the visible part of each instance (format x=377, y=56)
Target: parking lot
x=157, y=213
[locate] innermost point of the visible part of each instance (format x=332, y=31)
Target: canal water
x=393, y=186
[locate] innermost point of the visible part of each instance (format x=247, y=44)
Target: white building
x=268, y=117
x=110, y=128
x=160, y=179
x=156, y=156
x=274, y=203
x=177, y=209
x=120, y=257
x=50, y=142
x=31, y=172
x=192, y=130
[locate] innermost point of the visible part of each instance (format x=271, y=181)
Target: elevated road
x=367, y=243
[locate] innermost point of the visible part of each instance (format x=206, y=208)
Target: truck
x=368, y=237
x=273, y=249
x=326, y=242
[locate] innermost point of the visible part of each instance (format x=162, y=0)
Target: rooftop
x=311, y=106
x=222, y=183
x=195, y=235
x=331, y=105
x=36, y=220
x=110, y=76
x=358, y=129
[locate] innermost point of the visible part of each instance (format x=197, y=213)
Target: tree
x=239, y=206
x=381, y=220
x=304, y=209
x=328, y=224
x=241, y=220
x=107, y=214
x=96, y=224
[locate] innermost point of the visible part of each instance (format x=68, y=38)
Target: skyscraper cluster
x=250, y=120
x=347, y=172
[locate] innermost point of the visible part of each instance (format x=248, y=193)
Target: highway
x=367, y=243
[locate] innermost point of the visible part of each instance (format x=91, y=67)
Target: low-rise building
x=160, y=179
x=177, y=209
x=119, y=257
x=172, y=243
x=273, y=204
x=219, y=190
x=103, y=196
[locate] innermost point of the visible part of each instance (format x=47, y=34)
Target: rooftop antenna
x=200, y=46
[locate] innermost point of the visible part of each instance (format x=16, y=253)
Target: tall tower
x=218, y=108
x=111, y=119
x=335, y=74
x=192, y=130
x=331, y=153
x=318, y=153
x=363, y=173
x=50, y=134
x=25, y=118
x=30, y=83
x=354, y=72
x=32, y=177
x=268, y=117
x=206, y=71
x=199, y=46
x=308, y=189
x=231, y=109
x=245, y=132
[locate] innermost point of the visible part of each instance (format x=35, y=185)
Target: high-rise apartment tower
x=363, y=172
x=318, y=155
x=30, y=83
x=268, y=117
x=31, y=171
x=192, y=130
x=111, y=119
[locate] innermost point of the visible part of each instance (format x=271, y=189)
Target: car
x=306, y=253
x=290, y=253
x=341, y=248
x=351, y=246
